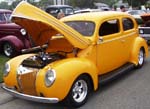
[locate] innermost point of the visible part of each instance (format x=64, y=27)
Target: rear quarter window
x=127, y=24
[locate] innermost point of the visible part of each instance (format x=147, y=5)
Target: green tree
x=82, y=3
x=134, y=3
x=4, y=5
x=14, y=4
x=108, y=2
x=45, y=3
x=89, y=3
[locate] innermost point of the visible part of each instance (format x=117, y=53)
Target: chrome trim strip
x=144, y=27
x=30, y=97
x=145, y=35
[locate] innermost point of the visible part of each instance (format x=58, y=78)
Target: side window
x=69, y=11
x=2, y=17
x=109, y=27
x=127, y=24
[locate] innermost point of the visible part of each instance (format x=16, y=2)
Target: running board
x=116, y=73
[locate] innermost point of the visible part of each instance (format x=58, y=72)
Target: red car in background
x=13, y=38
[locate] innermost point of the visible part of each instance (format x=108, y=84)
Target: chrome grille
x=26, y=80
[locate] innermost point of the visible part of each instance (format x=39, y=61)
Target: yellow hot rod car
x=73, y=55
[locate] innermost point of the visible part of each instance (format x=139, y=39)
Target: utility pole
x=131, y=3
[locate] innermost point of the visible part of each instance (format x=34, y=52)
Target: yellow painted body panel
x=137, y=45
x=93, y=56
x=61, y=44
x=117, y=47
x=11, y=79
x=67, y=72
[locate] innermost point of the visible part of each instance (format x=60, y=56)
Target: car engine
x=42, y=59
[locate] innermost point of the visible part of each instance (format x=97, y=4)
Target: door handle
x=123, y=41
x=101, y=39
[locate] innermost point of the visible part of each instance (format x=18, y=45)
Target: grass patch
x=3, y=59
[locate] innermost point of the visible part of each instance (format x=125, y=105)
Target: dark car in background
x=144, y=29
x=136, y=12
x=137, y=15
x=143, y=19
x=13, y=38
x=55, y=9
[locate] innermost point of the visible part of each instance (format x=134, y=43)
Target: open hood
x=41, y=26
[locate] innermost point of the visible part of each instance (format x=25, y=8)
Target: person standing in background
x=122, y=8
x=60, y=15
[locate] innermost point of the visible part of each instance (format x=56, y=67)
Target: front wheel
x=141, y=58
x=79, y=92
x=8, y=49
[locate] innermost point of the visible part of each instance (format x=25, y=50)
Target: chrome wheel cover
x=8, y=49
x=79, y=91
x=141, y=57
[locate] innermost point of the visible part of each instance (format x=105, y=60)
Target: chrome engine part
x=42, y=59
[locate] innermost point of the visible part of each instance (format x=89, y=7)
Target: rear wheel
x=79, y=92
x=141, y=58
x=8, y=49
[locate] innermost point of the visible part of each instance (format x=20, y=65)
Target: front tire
x=79, y=92
x=8, y=49
x=141, y=58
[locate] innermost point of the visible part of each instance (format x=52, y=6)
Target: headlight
x=50, y=77
x=6, y=69
x=23, y=31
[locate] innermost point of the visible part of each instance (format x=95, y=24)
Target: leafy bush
x=3, y=59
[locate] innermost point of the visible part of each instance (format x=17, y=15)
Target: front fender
x=67, y=72
x=11, y=79
x=137, y=45
x=17, y=43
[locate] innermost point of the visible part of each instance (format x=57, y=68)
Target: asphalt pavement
x=4, y=97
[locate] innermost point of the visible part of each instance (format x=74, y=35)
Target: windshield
x=54, y=11
x=5, y=17
x=86, y=28
x=67, y=11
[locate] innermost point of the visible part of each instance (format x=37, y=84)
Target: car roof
x=94, y=16
x=134, y=12
x=5, y=10
x=87, y=10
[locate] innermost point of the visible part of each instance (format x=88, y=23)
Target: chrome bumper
x=30, y=97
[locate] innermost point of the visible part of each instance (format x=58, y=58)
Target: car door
x=110, y=46
x=129, y=32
